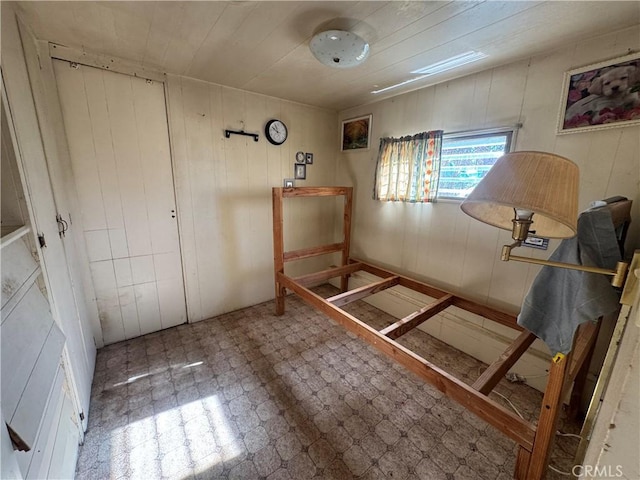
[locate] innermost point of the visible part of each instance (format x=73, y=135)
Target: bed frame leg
x=548, y=420
x=278, y=248
x=522, y=464
x=344, y=283
x=346, y=239
x=280, y=294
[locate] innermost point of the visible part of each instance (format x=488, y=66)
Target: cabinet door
x=33, y=392
x=116, y=128
x=38, y=207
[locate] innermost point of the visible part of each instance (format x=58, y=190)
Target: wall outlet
x=536, y=242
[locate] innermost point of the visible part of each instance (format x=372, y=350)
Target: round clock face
x=276, y=132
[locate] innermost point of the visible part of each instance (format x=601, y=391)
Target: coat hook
x=228, y=133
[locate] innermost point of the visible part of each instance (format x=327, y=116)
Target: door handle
x=63, y=226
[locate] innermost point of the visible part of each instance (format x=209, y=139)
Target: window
x=467, y=157
x=432, y=165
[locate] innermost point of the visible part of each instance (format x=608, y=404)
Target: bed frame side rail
x=486, y=408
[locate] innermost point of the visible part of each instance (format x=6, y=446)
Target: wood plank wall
x=445, y=247
x=440, y=243
x=223, y=190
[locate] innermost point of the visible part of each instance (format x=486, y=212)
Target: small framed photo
x=356, y=133
x=602, y=95
x=289, y=183
x=309, y=158
x=300, y=171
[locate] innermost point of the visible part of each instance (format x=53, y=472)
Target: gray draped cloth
x=560, y=299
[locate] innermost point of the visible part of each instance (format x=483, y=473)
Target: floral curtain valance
x=408, y=168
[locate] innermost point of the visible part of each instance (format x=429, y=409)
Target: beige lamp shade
x=543, y=183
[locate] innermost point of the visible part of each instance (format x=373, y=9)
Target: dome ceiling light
x=339, y=48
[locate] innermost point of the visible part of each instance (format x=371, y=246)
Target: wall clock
x=276, y=132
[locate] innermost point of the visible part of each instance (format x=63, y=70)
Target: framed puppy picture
x=603, y=95
x=356, y=133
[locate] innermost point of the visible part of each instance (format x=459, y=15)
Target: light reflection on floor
x=196, y=431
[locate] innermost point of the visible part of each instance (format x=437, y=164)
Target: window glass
x=467, y=158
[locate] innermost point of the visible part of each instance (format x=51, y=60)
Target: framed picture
x=289, y=183
x=356, y=133
x=300, y=171
x=602, y=95
x=309, y=158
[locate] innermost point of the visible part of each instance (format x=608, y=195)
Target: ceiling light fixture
x=339, y=48
x=439, y=67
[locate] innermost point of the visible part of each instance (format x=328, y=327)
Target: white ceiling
x=262, y=46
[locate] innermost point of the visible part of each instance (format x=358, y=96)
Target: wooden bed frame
x=535, y=441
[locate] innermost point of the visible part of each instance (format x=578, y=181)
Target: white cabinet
x=40, y=434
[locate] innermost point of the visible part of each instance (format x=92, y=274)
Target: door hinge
x=41, y=240
x=81, y=416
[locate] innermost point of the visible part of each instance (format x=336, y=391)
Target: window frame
x=510, y=132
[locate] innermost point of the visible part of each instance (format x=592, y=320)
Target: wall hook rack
x=228, y=133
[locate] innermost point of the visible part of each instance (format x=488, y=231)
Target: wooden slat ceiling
x=263, y=46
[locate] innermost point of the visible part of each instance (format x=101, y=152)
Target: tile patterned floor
x=251, y=395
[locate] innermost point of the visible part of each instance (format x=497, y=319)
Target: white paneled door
x=117, y=132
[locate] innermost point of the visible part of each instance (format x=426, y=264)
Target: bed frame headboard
x=280, y=257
